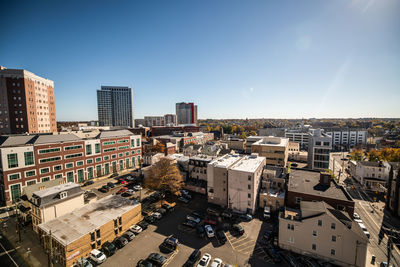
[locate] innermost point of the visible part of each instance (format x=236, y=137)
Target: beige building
x=75, y=234
x=53, y=202
x=320, y=231
x=272, y=191
x=233, y=181
x=275, y=149
x=236, y=144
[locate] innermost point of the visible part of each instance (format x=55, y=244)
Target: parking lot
x=237, y=251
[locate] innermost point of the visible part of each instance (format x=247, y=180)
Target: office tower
x=186, y=113
x=115, y=106
x=27, y=102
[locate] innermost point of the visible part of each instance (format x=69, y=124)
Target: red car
x=122, y=190
x=210, y=221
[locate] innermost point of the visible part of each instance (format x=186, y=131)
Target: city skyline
x=234, y=60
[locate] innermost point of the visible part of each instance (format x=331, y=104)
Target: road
x=8, y=255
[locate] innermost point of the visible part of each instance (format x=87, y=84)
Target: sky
x=234, y=59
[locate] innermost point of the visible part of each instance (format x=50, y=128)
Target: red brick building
x=32, y=159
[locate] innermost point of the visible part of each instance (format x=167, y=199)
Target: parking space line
x=250, y=240
x=170, y=258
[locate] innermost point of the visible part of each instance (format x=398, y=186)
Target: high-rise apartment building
x=115, y=106
x=27, y=102
x=319, y=147
x=186, y=113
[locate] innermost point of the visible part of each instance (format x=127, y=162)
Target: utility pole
x=50, y=250
x=17, y=222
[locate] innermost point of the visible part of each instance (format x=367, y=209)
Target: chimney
x=325, y=178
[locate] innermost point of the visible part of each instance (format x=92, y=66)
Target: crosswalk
x=247, y=246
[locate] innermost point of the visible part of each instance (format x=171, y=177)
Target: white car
x=156, y=215
x=97, y=256
x=216, y=263
x=358, y=220
x=205, y=260
x=130, y=191
x=209, y=231
x=136, y=229
x=137, y=188
x=356, y=216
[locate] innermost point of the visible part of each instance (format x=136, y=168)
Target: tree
x=164, y=176
x=357, y=155
x=158, y=147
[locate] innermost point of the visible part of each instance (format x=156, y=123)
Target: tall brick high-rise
x=27, y=103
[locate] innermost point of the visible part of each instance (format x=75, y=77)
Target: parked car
x=136, y=229
x=150, y=219
x=137, y=188
x=213, y=212
x=157, y=215
x=246, y=217
x=168, y=246
x=237, y=229
x=198, y=214
x=209, y=231
x=130, y=191
x=144, y=263
x=129, y=235
x=356, y=216
x=200, y=231
x=143, y=224
x=267, y=235
x=169, y=208
x=187, y=196
x=157, y=259
x=184, y=192
x=82, y=262
x=172, y=239
x=189, y=223
x=115, y=174
x=120, y=242
x=88, y=183
x=184, y=200
x=221, y=237
x=192, y=218
x=226, y=215
x=110, y=185
x=210, y=221
x=122, y=190
x=104, y=189
x=195, y=256
x=205, y=260
x=97, y=256
x=216, y=262
x=108, y=248
x=162, y=211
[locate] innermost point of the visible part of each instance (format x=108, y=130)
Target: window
x=249, y=177
x=44, y=170
x=120, y=220
x=89, y=161
x=70, y=156
x=249, y=195
x=13, y=176
x=81, y=176
x=29, y=158
x=90, y=172
x=70, y=177
x=114, y=156
x=106, y=157
x=49, y=150
x=15, y=192
x=109, y=143
x=58, y=176
x=291, y=239
x=63, y=195
x=72, y=147
x=132, y=142
x=123, y=141
x=115, y=224
x=57, y=168
x=314, y=233
x=133, y=162
x=127, y=153
x=79, y=163
x=30, y=173
x=249, y=186
x=318, y=143
x=333, y=252
x=333, y=238
x=109, y=149
x=98, y=242
x=31, y=182
x=333, y=226
x=123, y=147
x=92, y=237
x=298, y=200
x=12, y=160
x=45, y=179
x=98, y=233
x=89, y=149
x=69, y=165
x=120, y=155
x=98, y=170
x=49, y=159
x=97, y=148
x=319, y=222
x=314, y=247
x=326, y=143
x=137, y=142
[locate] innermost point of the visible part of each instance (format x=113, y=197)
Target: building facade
x=344, y=139
x=31, y=159
x=186, y=113
x=27, y=103
x=115, y=106
x=319, y=231
x=319, y=149
x=393, y=193
x=299, y=136
x=274, y=149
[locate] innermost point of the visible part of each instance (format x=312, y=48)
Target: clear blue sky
x=234, y=59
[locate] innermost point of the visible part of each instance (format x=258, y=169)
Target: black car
x=221, y=237
x=104, y=189
x=143, y=224
x=110, y=185
x=189, y=223
x=108, y=248
x=157, y=259
x=115, y=174
x=268, y=235
x=150, y=219
x=193, y=258
x=88, y=183
x=144, y=263
x=169, y=208
x=162, y=211
x=237, y=229
x=200, y=231
x=274, y=254
x=120, y=242
x=226, y=214
x=168, y=247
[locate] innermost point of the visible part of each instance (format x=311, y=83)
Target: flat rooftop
x=273, y=141
x=248, y=164
x=273, y=193
x=56, y=189
x=225, y=161
x=307, y=182
x=72, y=226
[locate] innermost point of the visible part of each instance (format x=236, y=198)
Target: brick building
x=27, y=103
x=31, y=159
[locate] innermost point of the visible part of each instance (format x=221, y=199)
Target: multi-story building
x=54, y=202
x=233, y=181
x=373, y=176
x=393, y=193
x=166, y=130
x=170, y=120
x=251, y=140
x=298, y=135
x=27, y=103
x=278, y=132
x=186, y=113
x=272, y=193
x=73, y=235
x=315, y=186
x=346, y=138
x=115, y=106
x=274, y=149
x=319, y=149
x=320, y=231
x=31, y=159
x=236, y=144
